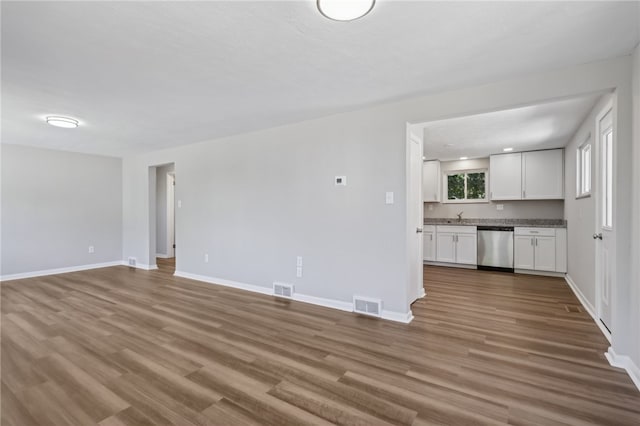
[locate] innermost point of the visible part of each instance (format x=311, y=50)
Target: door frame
x=609, y=107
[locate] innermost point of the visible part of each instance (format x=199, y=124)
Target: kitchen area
x=494, y=188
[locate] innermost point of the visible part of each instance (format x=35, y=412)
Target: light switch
x=389, y=197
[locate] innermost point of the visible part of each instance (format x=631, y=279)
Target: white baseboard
x=623, y=361
x=162, y=255
x=140, y=266
x=539, y=273
x=321, y=301
x=223, y=282
x=56, y=271
x=405, y=318
x=449, y=265
x=587, y=306
x=314, y=300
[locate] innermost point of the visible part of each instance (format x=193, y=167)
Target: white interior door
x=171, y=222
x=415, y=221
x=605, y=232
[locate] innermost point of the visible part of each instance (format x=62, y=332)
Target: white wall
x=55, y=205
x=161, y=208
x=581, y=213
x=524, y=209
x=255, y=201
x=635, y=296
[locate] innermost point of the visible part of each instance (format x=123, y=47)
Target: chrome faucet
x=460, y=216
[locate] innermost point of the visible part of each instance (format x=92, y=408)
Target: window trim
x=445, y=187
x=586, y=146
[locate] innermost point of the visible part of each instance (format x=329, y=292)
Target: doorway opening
x=162, y=206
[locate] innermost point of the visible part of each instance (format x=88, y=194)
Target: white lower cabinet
x=540, y=249
x=429, y=241
x=457, y=244
x=523, y=247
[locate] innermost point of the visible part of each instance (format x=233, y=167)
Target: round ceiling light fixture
x=345, y=10
x=66, y=122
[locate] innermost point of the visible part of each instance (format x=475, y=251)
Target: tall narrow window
x=607, y=178
x=583, y=169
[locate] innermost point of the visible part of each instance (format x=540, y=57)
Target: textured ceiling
x=142, y=76
x=541, y=126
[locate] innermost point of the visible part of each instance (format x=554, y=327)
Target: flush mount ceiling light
x=345, y=10
x=66, y=122
x=508, y=149
x=464, y=158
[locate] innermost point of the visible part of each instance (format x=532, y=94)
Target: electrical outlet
x=91, y=249
x=340, y=181
x=299, y=272
x=206, y=258
x=430, y=207
x=179, y=204
x=299, y=261
x=499, y=206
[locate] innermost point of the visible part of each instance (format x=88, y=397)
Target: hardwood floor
x=118, y=346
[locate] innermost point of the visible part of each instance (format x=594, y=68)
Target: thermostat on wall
x=341, y=181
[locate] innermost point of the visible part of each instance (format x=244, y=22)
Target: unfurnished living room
x=351, y=212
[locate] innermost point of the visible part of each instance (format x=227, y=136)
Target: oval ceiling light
x=66, y=122
x=345, y=10
x=507, y=149
x=464, y=158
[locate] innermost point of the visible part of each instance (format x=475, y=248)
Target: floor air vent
x=132, y=261
x=364, y=305
x=283, y=290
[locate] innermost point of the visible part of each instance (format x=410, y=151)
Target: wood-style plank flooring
x=118, y=346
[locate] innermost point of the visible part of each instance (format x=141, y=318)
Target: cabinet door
x=523, y=251
x=429, y=251
x=431, y=181
x=545, y=254
x=505, y=176
x=445, y=247
x=543, y=175
x=467, y=249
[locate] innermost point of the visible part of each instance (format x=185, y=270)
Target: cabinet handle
x=430, y=237
x=532, y=241
x=536, y=242
x=524, y=194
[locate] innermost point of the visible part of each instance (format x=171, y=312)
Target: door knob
x=597, y=236
x=419, y=230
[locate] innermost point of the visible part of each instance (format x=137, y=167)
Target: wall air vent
x=132, y=262
x=283, y=290
x=367, y=306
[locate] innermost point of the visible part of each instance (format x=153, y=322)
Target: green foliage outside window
x=466, y=186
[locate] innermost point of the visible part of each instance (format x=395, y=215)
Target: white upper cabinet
x=505, y=176
x=543, y=175
x=431, y=181
x=535, y=175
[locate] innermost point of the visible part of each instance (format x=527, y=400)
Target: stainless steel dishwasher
x=495, y=248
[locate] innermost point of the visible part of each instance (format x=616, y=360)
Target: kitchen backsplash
x=521, y=209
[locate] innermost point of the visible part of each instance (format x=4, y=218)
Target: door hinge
x=174, y=246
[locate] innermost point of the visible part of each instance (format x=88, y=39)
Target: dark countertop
x=529, y=223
